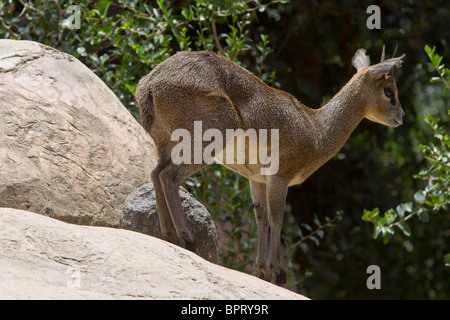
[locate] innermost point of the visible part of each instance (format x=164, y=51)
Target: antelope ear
x=360, y=60
x=387, y=66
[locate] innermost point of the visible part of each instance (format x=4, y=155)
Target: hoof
x=170, y=237
x=280, y=278
x=264, y=274
x=188, y=240
x=191, y=245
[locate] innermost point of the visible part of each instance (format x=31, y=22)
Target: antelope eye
x=389, y=92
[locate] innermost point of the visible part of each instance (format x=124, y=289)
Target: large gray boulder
x=68, y=148
x=43, y=258
x=140, y=214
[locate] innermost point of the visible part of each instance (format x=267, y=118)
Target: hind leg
x=167, y=228
x=171, y=178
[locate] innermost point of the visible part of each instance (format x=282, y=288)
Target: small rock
x=140, y=214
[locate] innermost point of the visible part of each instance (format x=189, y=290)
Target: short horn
x=395, y=50
x=382, y=54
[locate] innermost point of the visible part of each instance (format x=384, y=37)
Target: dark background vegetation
x=307, y=52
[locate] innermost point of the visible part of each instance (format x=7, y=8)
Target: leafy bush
x=122, y=41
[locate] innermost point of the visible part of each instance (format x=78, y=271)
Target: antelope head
x=380, y=92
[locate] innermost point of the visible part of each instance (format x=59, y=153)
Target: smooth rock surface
x=43, y=258
x=68, y=148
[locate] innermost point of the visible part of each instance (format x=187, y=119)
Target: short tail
x=144, y=99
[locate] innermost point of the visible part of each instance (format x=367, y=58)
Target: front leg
x=258, y=192
x=276, y=192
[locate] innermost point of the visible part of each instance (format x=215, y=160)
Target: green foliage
x=444, y=73
x=447, y=260
x=313, y=235
x=122, y=41
x=436, y=194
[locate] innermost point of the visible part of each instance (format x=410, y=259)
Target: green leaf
x=265, y=38
x=102, y=6
x=376, y=232
x=321, y=233
x=429, y=51
x=404, y=228
x=386, y=237
x=316, y=221
x=447, y=260
x=315, y=240
x=370, y=215
x=436, y=61
x=401, y=210
x=423, y=215
x=389, y=217
x=160, y=3
x=420, y=196
x=187, y=13
x=409, y=206
x=435, y=79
